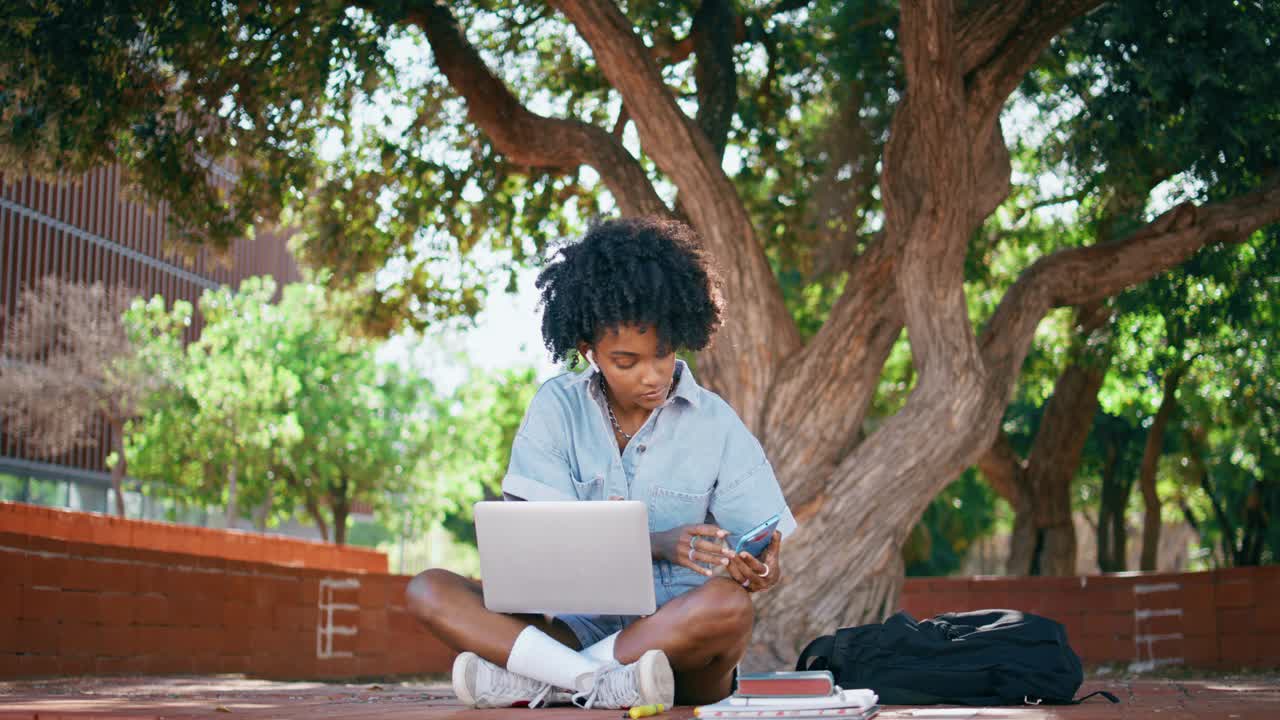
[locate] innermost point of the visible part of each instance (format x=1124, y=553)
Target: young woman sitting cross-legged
x=635, y=425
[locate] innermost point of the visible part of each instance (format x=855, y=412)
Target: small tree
x=281, y=409
x=68, y=360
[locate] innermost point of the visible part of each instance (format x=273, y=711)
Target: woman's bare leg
x=452, y=608
x=704, y=634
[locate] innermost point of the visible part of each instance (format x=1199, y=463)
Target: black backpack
x=987, y=657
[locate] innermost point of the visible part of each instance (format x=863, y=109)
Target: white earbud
x=591, y=360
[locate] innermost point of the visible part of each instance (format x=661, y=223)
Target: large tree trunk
x=1059, y=444
x=118, y=470
x=1006, y=473
x=1039, y=488
x=1111, y=521
x=1150, y=462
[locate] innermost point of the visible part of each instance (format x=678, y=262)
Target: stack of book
x=801, y=694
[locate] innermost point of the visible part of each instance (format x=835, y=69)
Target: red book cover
x=796, y=683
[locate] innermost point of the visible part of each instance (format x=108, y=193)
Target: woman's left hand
x=757, y=575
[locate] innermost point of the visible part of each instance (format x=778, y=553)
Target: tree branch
x=983, y=27
x=1003, y=469
x=1079, y=275
x=1022, y=41
x=825, y=391
x=714, y=34
x=522, y=136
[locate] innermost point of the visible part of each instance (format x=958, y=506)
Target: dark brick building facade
x=88, y=229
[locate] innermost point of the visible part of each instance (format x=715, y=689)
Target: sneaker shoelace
x=506, y=684
x=610, y=683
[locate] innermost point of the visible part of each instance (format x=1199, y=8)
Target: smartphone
x=756, y=539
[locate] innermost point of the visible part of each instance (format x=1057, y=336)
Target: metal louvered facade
x=87, y=230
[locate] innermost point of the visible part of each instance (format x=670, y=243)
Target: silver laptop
x=565, y=557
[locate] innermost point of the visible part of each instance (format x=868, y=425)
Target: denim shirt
x=692, y=461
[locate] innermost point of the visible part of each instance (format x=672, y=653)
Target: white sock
x=539, y=656
x=603, y=650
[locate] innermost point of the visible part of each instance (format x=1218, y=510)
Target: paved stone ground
x=151, y=698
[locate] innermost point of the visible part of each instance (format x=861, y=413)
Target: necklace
x=609, y=406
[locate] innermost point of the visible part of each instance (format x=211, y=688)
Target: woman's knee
x=427, y=595
x=724, y=607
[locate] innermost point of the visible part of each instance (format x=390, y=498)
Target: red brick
x=235, y=664
x=45, y=544
x=166, y=664
x=35, y=636
x=119, y=641
x=1238, y=650
x=1234, y=593
x=238, y=588
x=112, y=665
x=371, y=643
x=151, y=609
x=295, y=618
x=1109, y=624
x=1199, y=614
x=1158, y=625
x=10, y=666
x=309, y=590
x=49, y=572
x=236, y=641
x=152, y=639
x=206, y=663
x=39, y=666
x=79, y=639
x=338, y=667
x=209, y=585
x=1200, y=650
x=11, y=601
x=15, y=568
x=75, y=606
x=151, y=578
x=1269, y=649
x=40, y=603
x=116, y=609
x=1235, y=621
x=205, y=641
x=88, y=575
x=75, y=666
x=372, y=594
x=373, y=621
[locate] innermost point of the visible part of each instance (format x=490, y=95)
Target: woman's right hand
x=693, y=546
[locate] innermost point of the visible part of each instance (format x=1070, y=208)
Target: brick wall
x=1219, y=619
x=99, y=529
x=70, y=608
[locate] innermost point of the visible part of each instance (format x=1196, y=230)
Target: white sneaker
x=647, y=681
x=481, y=684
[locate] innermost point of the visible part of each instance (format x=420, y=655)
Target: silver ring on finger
x=766, y=570
x=692, y=548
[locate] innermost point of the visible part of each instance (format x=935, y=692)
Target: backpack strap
x=1103, y=693
x=820, y=651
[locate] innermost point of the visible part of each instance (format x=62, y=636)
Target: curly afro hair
x=627, y=272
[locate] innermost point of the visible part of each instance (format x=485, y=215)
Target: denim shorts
x=591, y=629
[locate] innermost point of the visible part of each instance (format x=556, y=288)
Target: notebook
x=852, y=704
